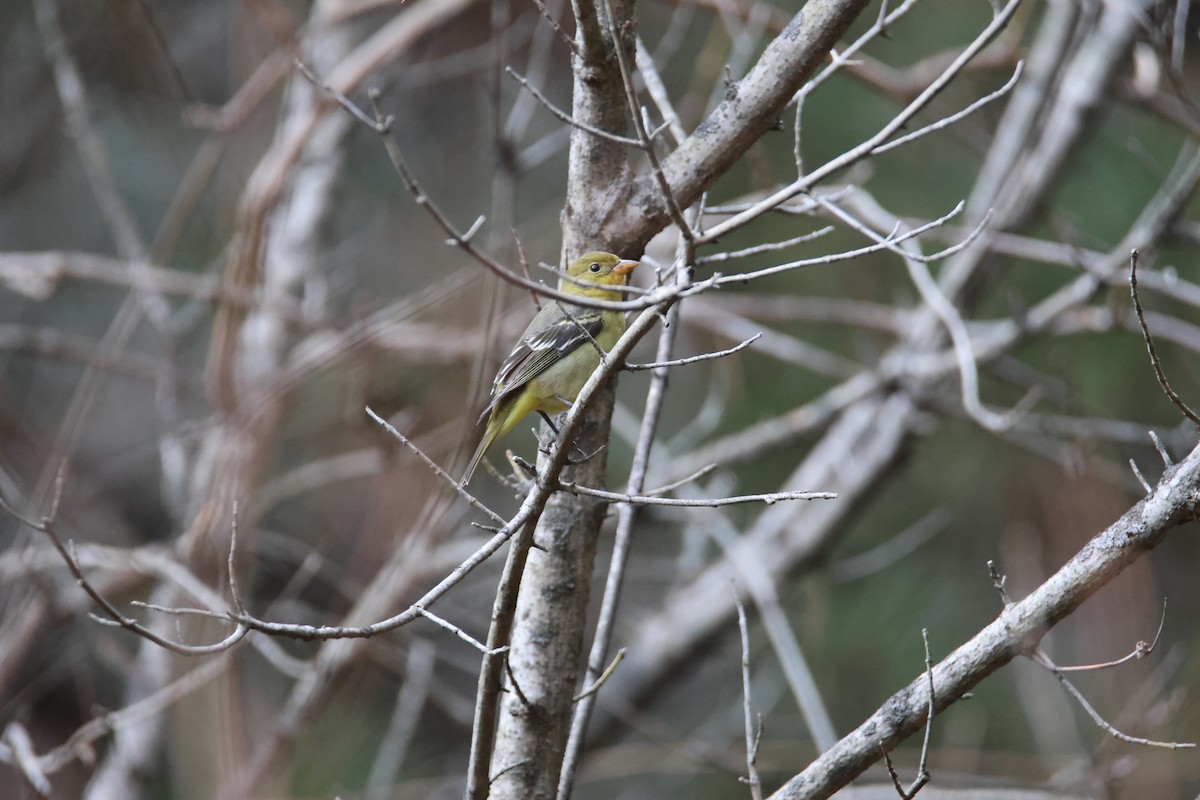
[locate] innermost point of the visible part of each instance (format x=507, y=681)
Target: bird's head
x=604, y=269
x=601, y=268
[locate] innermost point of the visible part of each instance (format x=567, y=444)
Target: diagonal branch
x=1016, y=631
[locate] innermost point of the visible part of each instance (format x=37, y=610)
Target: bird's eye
x=594, y=267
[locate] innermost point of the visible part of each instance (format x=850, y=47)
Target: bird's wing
x=545, y=343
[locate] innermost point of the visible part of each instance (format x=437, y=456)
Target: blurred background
x=207, y=272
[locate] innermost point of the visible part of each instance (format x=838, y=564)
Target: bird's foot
x=548, y=421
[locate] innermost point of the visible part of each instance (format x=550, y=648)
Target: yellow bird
x=558, y=352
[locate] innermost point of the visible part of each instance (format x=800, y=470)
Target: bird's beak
x=624, y=267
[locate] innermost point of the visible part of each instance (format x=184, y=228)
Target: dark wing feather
x=542, y=346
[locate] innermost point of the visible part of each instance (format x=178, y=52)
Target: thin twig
x=595, y=687
x=769, y=247
x=999, y=583
x=640, y=124
x=433, y=465
x=678, y=362
x=537, y=301
x=840, y=59
x=1137, y=473
x=234, y=592
x=846, y=255
x=748, y=704
x=871, y=144
x=567, y=118
x=678, y=502
x=460, y=633
x=695, y=476
x=515, y=684
x=566, y=37
x=508, y=769
x=381, y=124
x=1158, y=370
x=174, y=611
x=1140, y=650
x=923, y=773
x=923, y=770
x=1162, y=449
x=1040, y=658
x=115, y=617
x=26, y=760
x=487, y=692
x=945, y=122
x=946, y=311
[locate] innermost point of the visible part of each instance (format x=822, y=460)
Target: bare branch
x=946, y=312
x=923, y=770
x=1042, y=659
x=679, y=362
x=483, y=727
x=1137, y=473
x=884, y=244
x=1143, y=527
x=748, y=706
x=741, y=118
x=566, y=37
x=381, y=124
x=595, y=687
x=753, y=576
x=715, y=502
x=1161, y=448
x=26, y=761
x=622, y=545
x=437, y=470
x=667, y=488
x=729, y=255
x=1140, y=650
x=114, y=616
x=1158, y=371
x=567, y=118
x=870, y=145
x=640, y=123
x=460, y=633
x=945, y=122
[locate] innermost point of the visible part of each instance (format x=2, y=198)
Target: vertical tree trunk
x=547, y=638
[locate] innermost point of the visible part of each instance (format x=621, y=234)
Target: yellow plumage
x=555, y=355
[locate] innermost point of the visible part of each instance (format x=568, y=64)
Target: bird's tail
x=489, y=436
x=506, y=412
